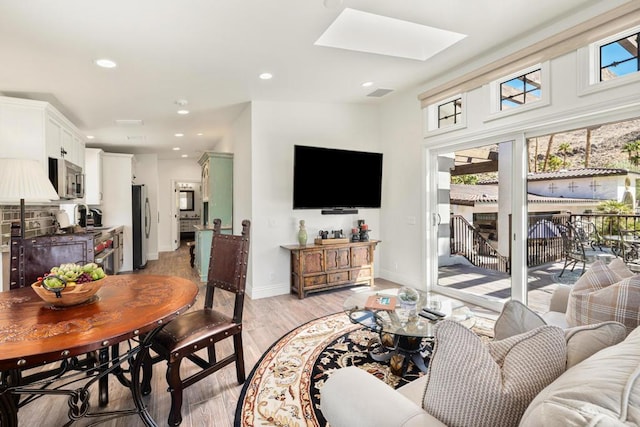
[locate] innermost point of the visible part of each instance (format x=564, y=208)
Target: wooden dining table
x=33, y=333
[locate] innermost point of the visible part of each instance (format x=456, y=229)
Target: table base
x=400, y=350
x=70, y=374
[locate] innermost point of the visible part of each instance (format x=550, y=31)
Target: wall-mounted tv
x=336, y=181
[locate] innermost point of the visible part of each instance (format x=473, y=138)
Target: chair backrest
x=572, y=244
x=228, y=265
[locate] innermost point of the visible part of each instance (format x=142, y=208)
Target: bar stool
x=192, y=252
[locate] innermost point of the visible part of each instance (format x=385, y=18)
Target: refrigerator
x=141, y=225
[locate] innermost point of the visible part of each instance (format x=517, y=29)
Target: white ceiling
x=210, y=52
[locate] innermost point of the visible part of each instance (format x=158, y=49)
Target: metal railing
x=469, y=243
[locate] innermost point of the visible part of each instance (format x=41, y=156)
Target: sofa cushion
x=470, y=383
x=515, y=318
x=603, y=390
x=594, y=301
x=582, y=341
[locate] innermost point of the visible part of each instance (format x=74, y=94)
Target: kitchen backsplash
x=39, y=221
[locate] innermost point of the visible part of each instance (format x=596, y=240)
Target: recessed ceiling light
x=200, y=134
x=179, y=134
x=367, y=84
x=90, y=136
x=106, y=63
x=176, y=148
x=184, y=155
x=367, y=32
x=266, y=76
x=183, y=112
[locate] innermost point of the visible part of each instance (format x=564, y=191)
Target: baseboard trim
x=267, y=291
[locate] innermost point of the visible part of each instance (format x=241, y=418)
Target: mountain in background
x=607, y=142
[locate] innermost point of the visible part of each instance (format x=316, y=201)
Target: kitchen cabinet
x=317, y=268
x=117, y=207
x=217, y=188
x=93, y=176
x=36, y=130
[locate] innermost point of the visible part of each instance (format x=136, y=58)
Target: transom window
x=449, y=113
x=521, y=90
x=619, y=58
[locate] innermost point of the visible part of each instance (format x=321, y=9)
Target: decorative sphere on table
x=302, y=234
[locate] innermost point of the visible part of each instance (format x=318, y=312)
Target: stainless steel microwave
x=67, y=178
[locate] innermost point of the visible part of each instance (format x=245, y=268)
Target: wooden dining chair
x=196, y=330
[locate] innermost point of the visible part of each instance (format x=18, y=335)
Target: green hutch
x=217, y=202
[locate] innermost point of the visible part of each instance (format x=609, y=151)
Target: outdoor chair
x=629, y=248
x=198, y=330
x=575, y=248
x=588, y=233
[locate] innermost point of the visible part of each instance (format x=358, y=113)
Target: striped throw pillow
x=473, y=384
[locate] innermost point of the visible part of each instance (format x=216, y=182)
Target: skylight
x=367, y=32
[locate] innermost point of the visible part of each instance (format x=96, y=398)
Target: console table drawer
x=342, y=276
x=315, y=280
x=361, y=273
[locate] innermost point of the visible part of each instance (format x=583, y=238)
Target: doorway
x=472, y=222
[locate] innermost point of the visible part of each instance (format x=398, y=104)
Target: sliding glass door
x=472, y=222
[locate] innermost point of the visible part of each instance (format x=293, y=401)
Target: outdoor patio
x=543, y=280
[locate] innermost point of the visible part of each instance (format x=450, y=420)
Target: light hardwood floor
x=212, y=401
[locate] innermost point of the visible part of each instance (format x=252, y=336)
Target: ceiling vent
x=136, y=138
x=129, y=122
x=379, y=93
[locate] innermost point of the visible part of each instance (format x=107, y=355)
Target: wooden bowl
x=73, y=294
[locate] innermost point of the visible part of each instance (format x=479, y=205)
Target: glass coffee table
x=402, y=338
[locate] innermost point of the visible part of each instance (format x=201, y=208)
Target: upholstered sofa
x=601, y=390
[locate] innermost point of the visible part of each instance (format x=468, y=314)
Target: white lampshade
x=24, y=180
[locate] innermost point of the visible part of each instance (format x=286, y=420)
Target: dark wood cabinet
x=316, y=268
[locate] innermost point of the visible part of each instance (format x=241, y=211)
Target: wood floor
x=212, y=401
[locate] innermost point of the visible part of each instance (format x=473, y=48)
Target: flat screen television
x=337, y=181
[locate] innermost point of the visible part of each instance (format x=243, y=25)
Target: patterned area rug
x=284, y=387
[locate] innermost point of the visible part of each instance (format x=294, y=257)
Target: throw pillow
x=619, y=267
x=598, y=276
x=470, y=383
x=619, y=302
x=584, y=341
x=515, y=318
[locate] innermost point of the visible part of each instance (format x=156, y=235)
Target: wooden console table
x=320, y=267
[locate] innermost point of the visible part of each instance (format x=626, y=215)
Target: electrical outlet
x=411, y=220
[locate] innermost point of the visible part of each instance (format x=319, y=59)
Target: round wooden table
x=127, y=307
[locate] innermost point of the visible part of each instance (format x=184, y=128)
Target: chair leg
x=237, y=345
x=175, y=388
x=211, y=351
x=147, y=374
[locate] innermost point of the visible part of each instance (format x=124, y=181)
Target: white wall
x=276, y=128
x=166, y=172
x=402, y=215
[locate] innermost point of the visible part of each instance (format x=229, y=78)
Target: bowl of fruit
x=69, y=284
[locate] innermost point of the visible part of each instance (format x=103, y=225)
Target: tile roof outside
x=570, y=173
x=470, y=195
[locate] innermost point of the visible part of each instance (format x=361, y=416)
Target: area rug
x=284, y=387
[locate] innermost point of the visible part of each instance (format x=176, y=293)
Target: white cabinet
x=63, y=141
x=36, y=130
x=117, y=200
x=93, y=176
